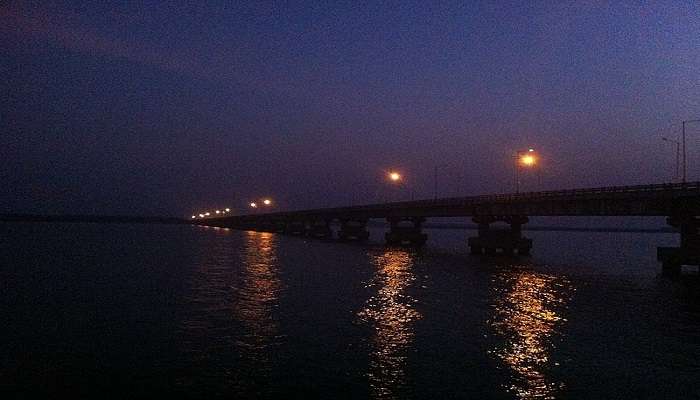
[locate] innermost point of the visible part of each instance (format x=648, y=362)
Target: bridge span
x=680, y=203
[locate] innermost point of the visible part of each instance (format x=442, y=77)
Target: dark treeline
x=104, y=219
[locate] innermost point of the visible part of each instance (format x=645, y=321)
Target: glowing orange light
x=394, y=176
x=267, y=202
x=528, y=160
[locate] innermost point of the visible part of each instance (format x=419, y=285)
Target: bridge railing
x=527, y=196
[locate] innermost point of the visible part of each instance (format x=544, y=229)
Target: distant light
x=528, y=160
x=253, y=205
x=201, y=215
x=530, y=150
x=218, y=212
x=207, y=214
x=228, y=209
x=193, y=217
x=395, y=176
x=267, y=202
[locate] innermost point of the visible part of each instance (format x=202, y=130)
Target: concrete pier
x=506, y=241
x=295, y=227
x=673, y=258
x=353, y=230
x=279, y=226
x=405, y=231
x=320, y=229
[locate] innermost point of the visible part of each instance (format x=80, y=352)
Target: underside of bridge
x=505, y=241
x=490, y=239
x=405, y=231
x=353, y=229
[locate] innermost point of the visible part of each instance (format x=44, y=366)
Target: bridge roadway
x=679, y=202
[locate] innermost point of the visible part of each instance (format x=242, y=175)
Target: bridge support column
x=279, y=226
x=673, y=258
x=405, y=231
x=297, y=228
x=265, y=226
x=320, y=229
x=353, y=230
x=507, y=241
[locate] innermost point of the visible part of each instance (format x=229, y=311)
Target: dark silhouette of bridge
x=679, y=202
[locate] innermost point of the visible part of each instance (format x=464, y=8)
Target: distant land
x=99, y=219
x=120, y=219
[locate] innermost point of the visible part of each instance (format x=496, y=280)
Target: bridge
x=680, y=203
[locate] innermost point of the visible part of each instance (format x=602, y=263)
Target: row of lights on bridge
x=253, y=204
x=208, y=213
x=524, y=158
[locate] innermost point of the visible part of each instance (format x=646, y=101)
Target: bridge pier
x=673, y=258
x=295, y=227
x=405, y=231
x=353, y=230
x=507, y=241
x=279, y=226
x=265, y=226
x=320, y=229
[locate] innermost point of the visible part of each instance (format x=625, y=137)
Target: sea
x=92, y=310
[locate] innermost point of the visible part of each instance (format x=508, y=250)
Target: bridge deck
x=643, y=200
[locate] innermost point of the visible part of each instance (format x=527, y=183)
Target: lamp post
x=684, y=157
x=525, y=158
x=678, y=154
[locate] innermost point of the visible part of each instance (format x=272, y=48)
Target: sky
x=166, y=108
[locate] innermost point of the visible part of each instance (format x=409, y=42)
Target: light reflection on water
x=258, y=292
x=528, y=315
x=231, y=327
x=256, y=298
x=392, y=313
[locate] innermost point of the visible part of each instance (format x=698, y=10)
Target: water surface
x=115, y=310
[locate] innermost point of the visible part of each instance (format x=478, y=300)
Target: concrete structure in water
x=673, y=258
x=506, y=241
x=679, y=202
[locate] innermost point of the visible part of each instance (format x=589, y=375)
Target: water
x=182, y=311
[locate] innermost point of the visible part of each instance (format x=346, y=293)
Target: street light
x=678, y=152
x=398, y=179
x=684, y=163
x=523, y=158
x=228, y=210
x=253, y=205
x=194, y=216
x=267, y=202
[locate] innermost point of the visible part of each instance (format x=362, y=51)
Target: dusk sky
x=164, y=109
